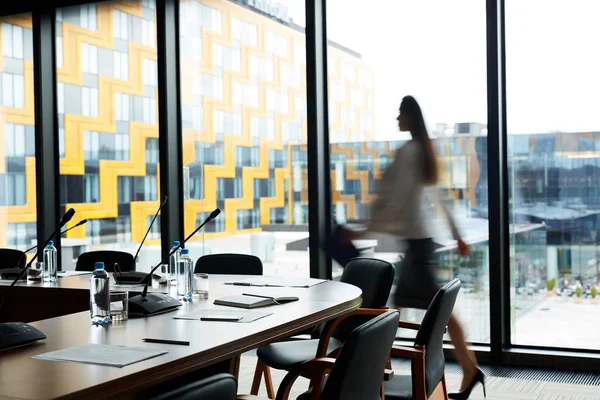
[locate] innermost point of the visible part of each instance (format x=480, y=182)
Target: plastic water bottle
x=184, y=276
x=173, y=264
x=50, y=263
x=100, y=295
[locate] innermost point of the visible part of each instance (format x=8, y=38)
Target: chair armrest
x=388, y=374
x=330, y=327
x=313, y=369
x=409, y=325
x=413, y=325
x=407, y=352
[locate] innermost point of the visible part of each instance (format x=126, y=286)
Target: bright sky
x=435, y=50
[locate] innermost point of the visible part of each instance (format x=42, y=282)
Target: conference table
x=213, y=345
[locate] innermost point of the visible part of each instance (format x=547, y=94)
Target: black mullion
x=497, y=184
x=46, y=126
x=319, y=180
x=169, y=122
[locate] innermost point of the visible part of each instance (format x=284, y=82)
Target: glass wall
x=243, y=98
x=106, y=60
x=17, y=139
x=402, y=48
x=554, y=171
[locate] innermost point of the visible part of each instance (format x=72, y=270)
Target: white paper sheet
x=102, y=354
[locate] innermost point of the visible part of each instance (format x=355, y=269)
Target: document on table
x=245, y=316
x=102, y=354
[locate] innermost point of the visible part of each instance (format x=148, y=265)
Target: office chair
x=86, y=261
x=12, y=258
x=358, y=371
x=374, y=277
x=427, y=353
x=217, y=387
x=229, y=264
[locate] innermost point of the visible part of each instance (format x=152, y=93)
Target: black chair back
x=359, y=367
x=86, y=261
x=374, y=277
x=12, y=258
x=431, y=333
x=217, y=387
x=229, y=264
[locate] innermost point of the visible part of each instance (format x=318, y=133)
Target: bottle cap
x=99, y=265
x=51, y=243
x=185, y=251
x=176, y=243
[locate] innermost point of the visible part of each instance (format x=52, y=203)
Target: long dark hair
x=410, y=107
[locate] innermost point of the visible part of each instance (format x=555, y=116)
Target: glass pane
x=17, y=145
x=440, y=59
x=233, y=147
x=105, y=132
x=554, y=171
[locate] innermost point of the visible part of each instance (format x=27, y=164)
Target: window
x=121, y=107
x=87, y=13
x=149, y=116
x=12, y=41
x=59, y=52
x=359, y=71
x=150, y=72
x=230, y=100
x=121, y=65
x=120, y=25
x=13, y=88
x=89, y=102
x=17, y=143
x=148, y=33
x=109, y=137
x=553, y=172
x=91, y=190
x=89, y=58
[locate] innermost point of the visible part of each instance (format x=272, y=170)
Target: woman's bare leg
x=465, y=357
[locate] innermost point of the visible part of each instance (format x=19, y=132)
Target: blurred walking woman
x=402, y=208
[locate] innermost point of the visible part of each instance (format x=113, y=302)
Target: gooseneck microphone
x=143, y=304
x=164, y=201
x=63, y=221
x=82, y=222
x=21, y=333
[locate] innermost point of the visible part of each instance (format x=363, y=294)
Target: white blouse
x=405, y=205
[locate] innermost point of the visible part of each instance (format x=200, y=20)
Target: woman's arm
x=463, y=248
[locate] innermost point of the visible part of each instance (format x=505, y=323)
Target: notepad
x=102, y=354
x=252, y=301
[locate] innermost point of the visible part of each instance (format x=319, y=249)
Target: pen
x=166, y=341
x=243, y=284
x=258, y=295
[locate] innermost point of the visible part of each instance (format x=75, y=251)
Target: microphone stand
x=66, y=218
x=149, y=276
x=157, y=303
x=150, y=227
x=82, y=222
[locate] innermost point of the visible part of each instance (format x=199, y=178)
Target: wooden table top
x=22, y=377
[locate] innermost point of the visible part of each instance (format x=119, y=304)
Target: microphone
x=12, y=272
x=26, y=333
x=144, y=304
x=82, y=222
x=164, y=201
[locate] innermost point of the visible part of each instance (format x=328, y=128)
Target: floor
x=497, y=387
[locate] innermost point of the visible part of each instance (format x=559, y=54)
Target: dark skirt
x=416, y=284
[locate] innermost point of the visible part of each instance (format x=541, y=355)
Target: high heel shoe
x=464, y=395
